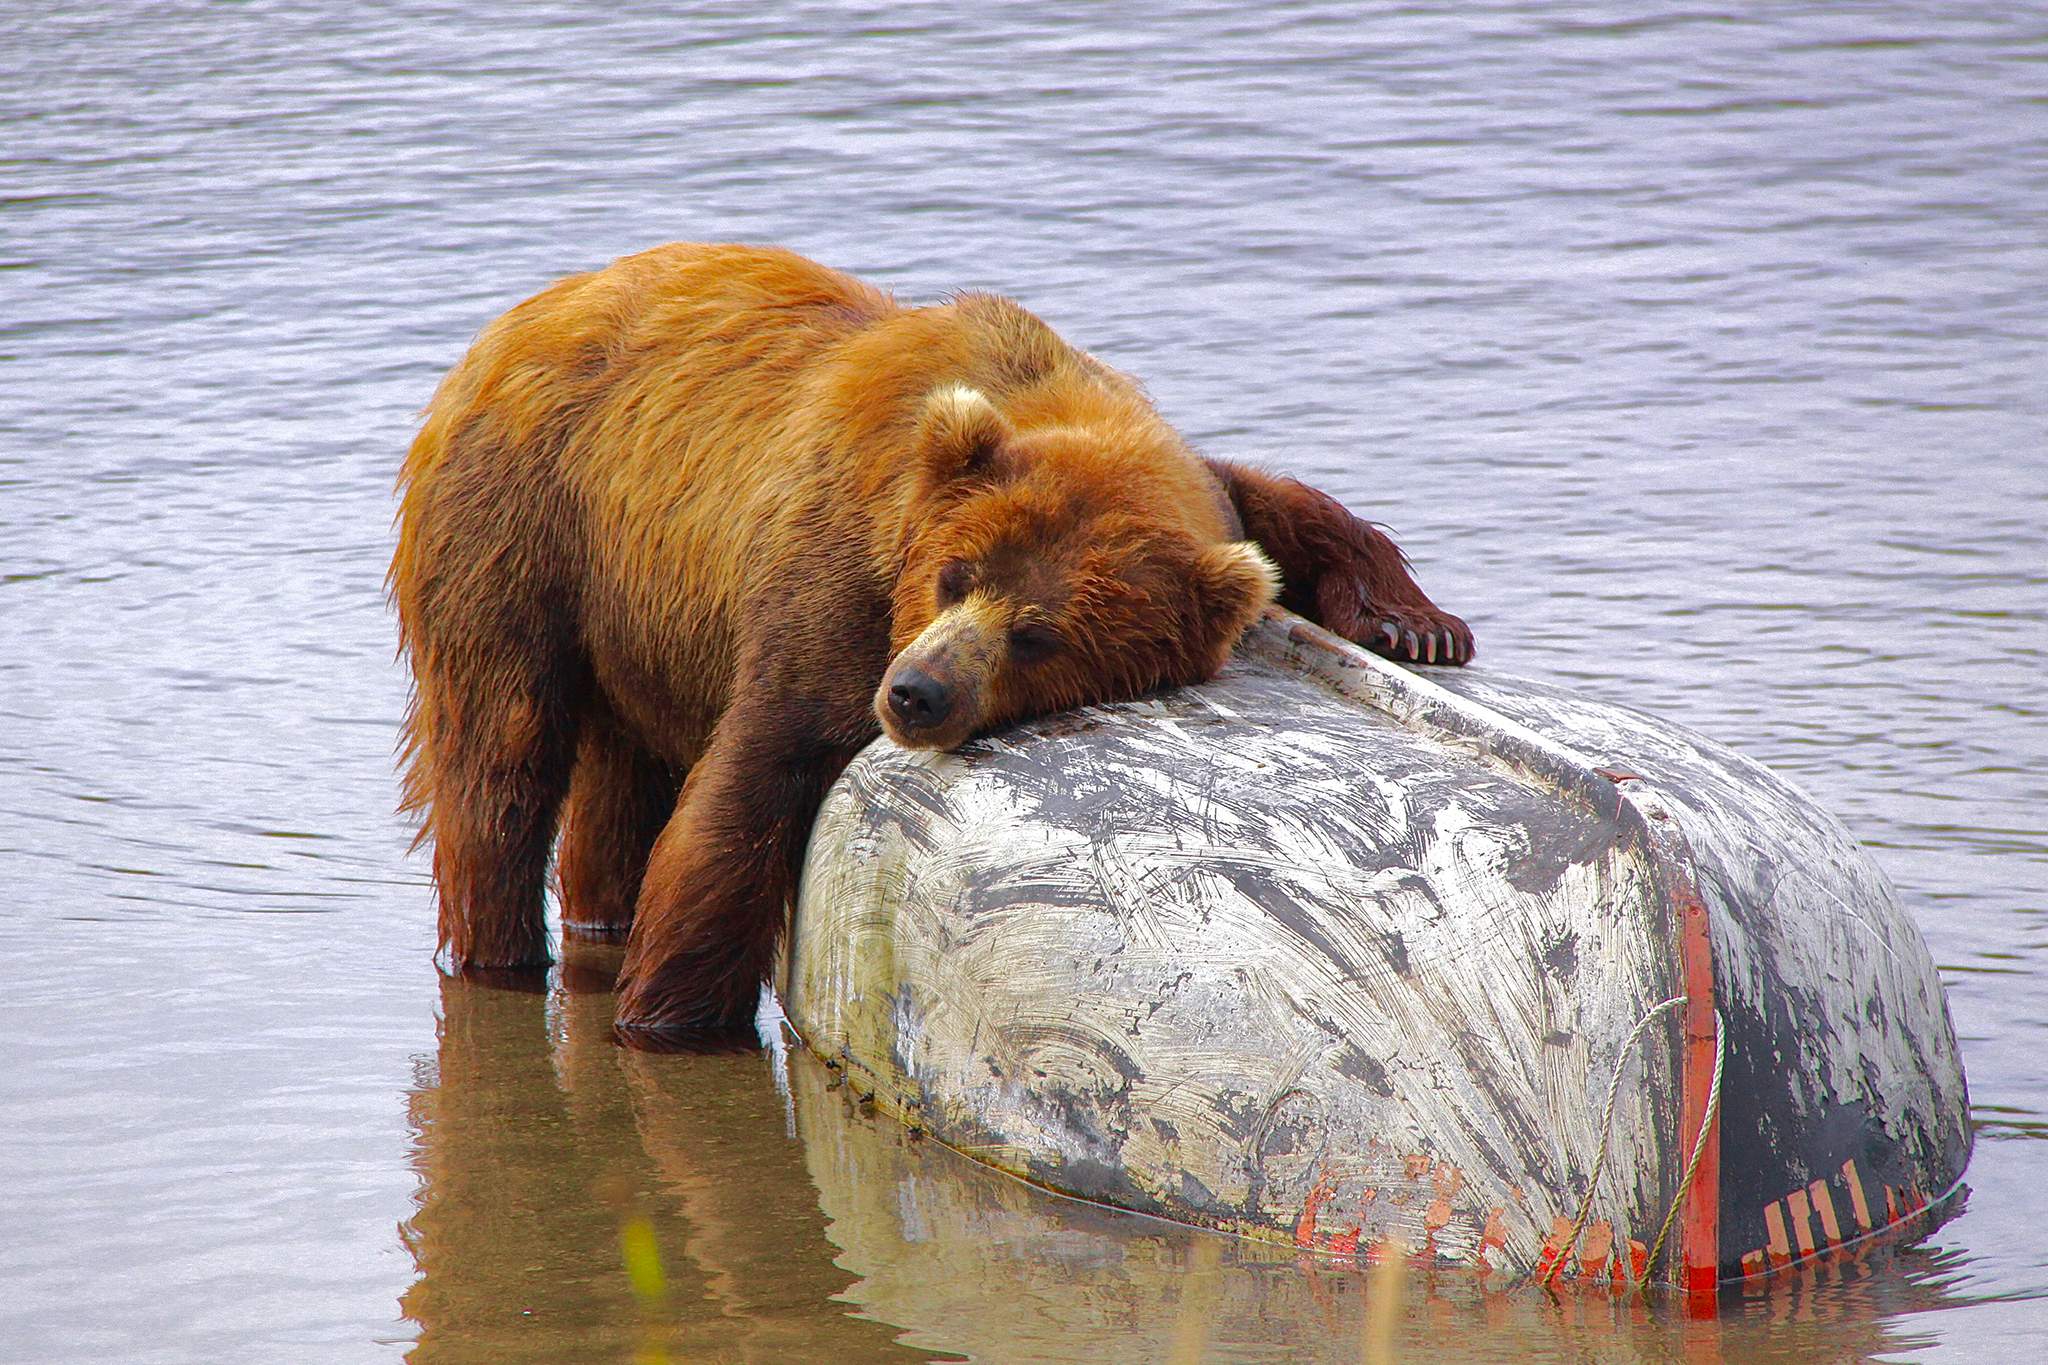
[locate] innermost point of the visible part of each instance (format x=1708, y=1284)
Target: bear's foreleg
x=1340, y=571
x=718, y=886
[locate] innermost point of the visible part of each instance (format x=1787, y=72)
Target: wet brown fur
x=666, y=527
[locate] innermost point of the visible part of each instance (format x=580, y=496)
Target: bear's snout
x=919, y=701
x=935, y=693
x=926, y=702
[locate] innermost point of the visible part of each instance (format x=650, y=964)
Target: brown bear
x=680, y=536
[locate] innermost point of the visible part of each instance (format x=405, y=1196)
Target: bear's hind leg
x=491, y=765
x=620, y=796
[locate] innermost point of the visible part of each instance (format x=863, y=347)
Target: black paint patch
x=1561, y=955
x=1281, y=904
x=1365, y=1069
x=1395, y=949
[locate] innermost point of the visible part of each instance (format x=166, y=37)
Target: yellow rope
x=1606, y=1134
x=1699, y=1148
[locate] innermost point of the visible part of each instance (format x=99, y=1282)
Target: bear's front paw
x=715, y=1040
x=1416, y=632
x=699, y=994
x=682, y=1026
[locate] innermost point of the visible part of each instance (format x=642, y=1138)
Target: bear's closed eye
x=956, y=580
x=1033, y=644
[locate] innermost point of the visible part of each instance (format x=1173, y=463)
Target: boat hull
x=1339, y=954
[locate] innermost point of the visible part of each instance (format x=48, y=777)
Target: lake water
x=1699, y=362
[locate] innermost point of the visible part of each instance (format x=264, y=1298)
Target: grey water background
x=1696, y=357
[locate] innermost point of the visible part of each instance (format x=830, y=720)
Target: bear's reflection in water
x=793, y=1226
x=536, y=1138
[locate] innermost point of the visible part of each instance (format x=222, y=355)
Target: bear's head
x=1053, y=565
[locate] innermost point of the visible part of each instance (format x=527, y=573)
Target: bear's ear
x=960, y=432
x=1233, y=582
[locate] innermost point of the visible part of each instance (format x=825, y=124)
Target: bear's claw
x=1435, y=639
x=1402, y=625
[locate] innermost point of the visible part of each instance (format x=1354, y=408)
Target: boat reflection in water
x=789, y=1224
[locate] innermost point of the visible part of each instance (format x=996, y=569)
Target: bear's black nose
x=919, y=700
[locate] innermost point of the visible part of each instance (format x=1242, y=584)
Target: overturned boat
x=1331, y=953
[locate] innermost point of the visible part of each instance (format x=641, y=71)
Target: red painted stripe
x=1857, y=1204
x=1779, y=1242
x=1700, y=1221
x=1802, y=1222
x=1824, y=1206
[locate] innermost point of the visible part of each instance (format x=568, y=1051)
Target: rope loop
x=1571, y=1241
x=1699, y=1145
x=1692, y=1166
